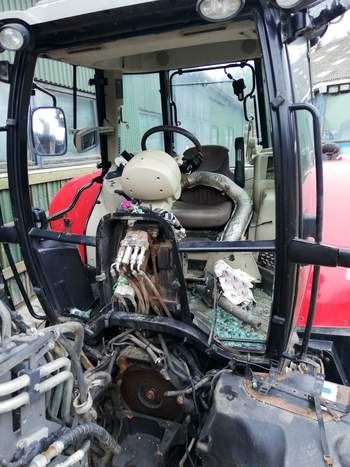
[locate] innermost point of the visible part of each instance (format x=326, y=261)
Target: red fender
x=78, y=217
x=333, y=300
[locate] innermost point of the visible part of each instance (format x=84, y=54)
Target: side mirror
x=49, y=131
x=85, y=139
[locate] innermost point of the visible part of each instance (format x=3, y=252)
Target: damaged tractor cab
x=169, y=282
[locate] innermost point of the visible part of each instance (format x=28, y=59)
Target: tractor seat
x=203, y=207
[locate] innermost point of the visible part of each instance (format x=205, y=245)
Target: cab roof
x=136, y=36
x=52, y=10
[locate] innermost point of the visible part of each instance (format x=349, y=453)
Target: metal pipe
x=237, y=312
x=76, y=457
x=24, y=380
x=75, y=98
x=241, y=216
x=48, y=368
x=14, y=385
x=22, y=399
x=54, y=381
x=67, y=400
x=14, y=403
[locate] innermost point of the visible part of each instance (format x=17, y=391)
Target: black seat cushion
x=199, y=216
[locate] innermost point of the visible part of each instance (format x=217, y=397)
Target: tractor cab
x=169, y=277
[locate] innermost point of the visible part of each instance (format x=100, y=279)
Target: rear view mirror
x=85, y=139
x=49, y=131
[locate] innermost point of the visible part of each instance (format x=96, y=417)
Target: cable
x=77, y=195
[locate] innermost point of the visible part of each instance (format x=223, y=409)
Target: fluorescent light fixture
x=14, y=37
x=345, y=87
x=219, y=10
x=334, y=89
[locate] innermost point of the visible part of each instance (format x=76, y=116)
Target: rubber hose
x=78, y=371
x=81, y=432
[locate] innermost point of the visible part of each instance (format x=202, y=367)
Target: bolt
x=151, y=394
x=180, y=400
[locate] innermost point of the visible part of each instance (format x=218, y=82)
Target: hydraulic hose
x=238, y=223
x=77, y=369
x=73, y=327
x=61, y=213
x=77, y=435
x=34, y=449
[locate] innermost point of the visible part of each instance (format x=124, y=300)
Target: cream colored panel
x=113, y=55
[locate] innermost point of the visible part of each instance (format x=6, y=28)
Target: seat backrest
x=215, y=160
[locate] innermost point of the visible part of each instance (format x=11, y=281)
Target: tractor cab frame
x=140, y=277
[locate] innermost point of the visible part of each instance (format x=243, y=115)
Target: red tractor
x=179, y=296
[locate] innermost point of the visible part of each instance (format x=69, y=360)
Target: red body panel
x=333, y=301
x=333, y=304
x=79, y=215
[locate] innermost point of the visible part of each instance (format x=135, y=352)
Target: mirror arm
x=318, y=254
x=75, y=98
x=45, y=91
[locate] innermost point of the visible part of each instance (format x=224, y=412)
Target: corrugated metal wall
x=50, y=71
x=44, y=186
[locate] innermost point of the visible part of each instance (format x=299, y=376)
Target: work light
x=13, y=37
x=296, y=4
x=219, y=10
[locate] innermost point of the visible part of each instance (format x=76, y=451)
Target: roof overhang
x=54, y=10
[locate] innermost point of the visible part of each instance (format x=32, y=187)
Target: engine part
x=143, y=389
x=27, y=380
x=238, y=223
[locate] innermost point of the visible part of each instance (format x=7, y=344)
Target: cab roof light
x=296, y=4
x=14, y=37
x=219, y=10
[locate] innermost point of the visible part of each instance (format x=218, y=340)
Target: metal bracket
x=11, y=122
x=319, y=381
x=34, y=375
x=277, y=102
x=269, y=382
